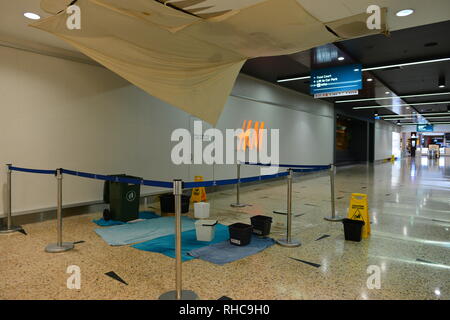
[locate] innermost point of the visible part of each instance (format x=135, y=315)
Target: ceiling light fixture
x=293, y=79
x=400, y=105
x=409, y=115
x=32, y=16
x=341, y=58
x=424, y=123
x=369, y=79
x=388, y=98
x=379, y=68
x=387, y=92
x=442, y=81
x=406, y=64
x=405, y=13
x=428, y=117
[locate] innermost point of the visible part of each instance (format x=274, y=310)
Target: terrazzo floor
x=409, y=205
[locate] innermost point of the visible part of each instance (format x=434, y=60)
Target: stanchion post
x=238, y=204
x=9, y=228
x=333, y=217
x=59, y=246
x=178, y=293
x=288, y=242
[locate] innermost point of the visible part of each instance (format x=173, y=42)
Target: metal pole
x=178, y=293
x=288, y=242
x=238, y=204
x=334, y=217
x=9, y=227
x=59, y=246
x=178, y=278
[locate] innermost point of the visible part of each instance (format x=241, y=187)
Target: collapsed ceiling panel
x=183, y=58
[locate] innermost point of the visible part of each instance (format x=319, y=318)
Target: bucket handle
x=210, y=225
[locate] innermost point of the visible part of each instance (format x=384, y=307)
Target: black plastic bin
x=167, y=203
x=353, y=229
x=123, y=199
x=261, y=225
x=240, y=234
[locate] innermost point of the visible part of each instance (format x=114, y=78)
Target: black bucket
x=353, y=229
x=261, y=225
x=240, y=234
x=167, y=203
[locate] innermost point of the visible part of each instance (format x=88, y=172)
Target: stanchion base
x=334, y=219
x=55, y=248
x=185, y=295
x=286, y=243
x=238, y=205
x=6, y=230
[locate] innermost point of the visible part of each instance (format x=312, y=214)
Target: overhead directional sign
x=344, y=80
x=425, y=128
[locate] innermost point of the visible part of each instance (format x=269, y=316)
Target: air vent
x=430, y=44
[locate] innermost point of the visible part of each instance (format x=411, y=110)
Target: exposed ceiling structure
x=14, y=26
x=420, y=36
x=389, y=85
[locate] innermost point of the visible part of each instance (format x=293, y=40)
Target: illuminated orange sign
x=251, y=136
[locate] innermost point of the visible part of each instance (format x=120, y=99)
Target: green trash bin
x=123, y=199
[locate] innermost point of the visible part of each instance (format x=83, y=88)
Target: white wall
x=383, y=139
x=58, y=113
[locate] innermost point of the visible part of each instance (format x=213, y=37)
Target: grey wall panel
x=60, y=113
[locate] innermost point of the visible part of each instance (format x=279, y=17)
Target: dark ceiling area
x=422, y=43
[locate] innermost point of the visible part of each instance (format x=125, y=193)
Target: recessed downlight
x=341, y=58
x=387, y=92
x=442, y=81
x=32, y=16
x=369, y=79
x=405, y=13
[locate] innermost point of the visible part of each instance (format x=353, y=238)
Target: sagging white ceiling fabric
x=187, y=60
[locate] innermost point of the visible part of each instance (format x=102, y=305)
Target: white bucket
x=201, y=210
x=205, y=229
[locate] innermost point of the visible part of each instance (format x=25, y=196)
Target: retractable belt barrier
x=288, y=241
x=176, y=185
x=292, y=166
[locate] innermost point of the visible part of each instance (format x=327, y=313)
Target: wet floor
x=409, y=207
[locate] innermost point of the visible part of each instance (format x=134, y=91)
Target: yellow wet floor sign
x=359, y=210
x=198, y=194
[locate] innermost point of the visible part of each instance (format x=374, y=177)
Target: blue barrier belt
x=191, y=185
x=309, y=170
x=32, y=170
x=169, y=185
x=288, y=165
x=151, y=183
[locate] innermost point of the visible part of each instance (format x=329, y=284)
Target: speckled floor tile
x=410, y=212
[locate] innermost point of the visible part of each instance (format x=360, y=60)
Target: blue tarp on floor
x=108, y=223
x=143, y=230
x=166, y=244
x=225, y=252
